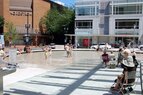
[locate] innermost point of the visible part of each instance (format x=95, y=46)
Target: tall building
x=26, y=15
x=108, y=21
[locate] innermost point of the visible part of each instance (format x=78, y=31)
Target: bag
x=135, y=62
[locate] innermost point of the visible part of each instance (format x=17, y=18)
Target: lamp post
x=134, y=37
x=88, y=39
x=27, y=26
x=36, y=38
x=65, y=31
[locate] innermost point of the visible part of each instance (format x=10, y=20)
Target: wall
x=40, y=8
x=21, y=20
x=1, y=8
x=5, y=13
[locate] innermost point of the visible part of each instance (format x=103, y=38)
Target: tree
x=10, y=36
x=55, y=20
x=1, y=24
x=1, y=21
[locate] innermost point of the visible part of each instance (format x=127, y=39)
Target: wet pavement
x=81, y=74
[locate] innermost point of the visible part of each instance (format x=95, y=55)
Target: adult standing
x=68, y=48
x=128, y=66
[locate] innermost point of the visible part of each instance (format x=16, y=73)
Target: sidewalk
x=84, y=75
x=76, y=79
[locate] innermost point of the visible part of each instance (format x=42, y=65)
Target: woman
x=128, y=66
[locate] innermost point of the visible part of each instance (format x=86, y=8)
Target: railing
x=127, y=32
x=127, y=1
x=141, y=77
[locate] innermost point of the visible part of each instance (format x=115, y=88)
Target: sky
x=68, y=3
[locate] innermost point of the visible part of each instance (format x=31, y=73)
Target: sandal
x=114, y=89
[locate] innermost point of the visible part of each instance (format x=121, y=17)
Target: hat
x=129, y=62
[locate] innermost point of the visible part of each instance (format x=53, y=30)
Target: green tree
x=10, y=35
x=1, y=24
x=55, y=20
x=1, y=21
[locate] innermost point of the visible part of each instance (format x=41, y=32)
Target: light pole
x=88, y=39
x=65, y=31
x=134, y=36
x=27, y=26
x=36, y=38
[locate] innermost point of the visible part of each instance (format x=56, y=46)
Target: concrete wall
x=104, y=21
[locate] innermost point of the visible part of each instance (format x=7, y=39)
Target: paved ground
x=81, y=74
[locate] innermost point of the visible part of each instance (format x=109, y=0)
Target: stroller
x=124, y=82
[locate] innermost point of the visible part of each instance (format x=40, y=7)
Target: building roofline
x=52, y=2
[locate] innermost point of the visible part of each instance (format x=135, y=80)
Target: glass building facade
x=102, y=21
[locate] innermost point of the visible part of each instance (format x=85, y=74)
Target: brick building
x=25, y=15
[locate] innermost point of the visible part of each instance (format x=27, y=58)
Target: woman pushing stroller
x=128, y=66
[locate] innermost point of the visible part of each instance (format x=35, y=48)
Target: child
x=46, y=49
x=105, y=58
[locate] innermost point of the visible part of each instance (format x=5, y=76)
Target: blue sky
x=66, y=2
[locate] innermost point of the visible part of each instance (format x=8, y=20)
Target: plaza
x=96, y=21
x=81, y=74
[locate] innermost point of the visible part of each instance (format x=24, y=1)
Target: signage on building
x=19, y=13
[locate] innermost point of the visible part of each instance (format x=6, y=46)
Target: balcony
x=127, y=1
x=83, y=32
x=126, y=32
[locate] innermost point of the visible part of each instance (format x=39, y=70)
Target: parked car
x=140, y=47
x=101, y=46
x=104, y=45
x=52, y=45
x=115, y=45
x=94, y=46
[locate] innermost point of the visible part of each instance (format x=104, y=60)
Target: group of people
x=126, y=60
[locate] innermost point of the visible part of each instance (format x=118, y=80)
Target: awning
x=21, y=5
x=103, y=35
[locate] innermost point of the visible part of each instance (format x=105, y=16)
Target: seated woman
x=105, y=58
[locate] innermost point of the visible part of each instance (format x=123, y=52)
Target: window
x=126, y=1
x=127, y=23
x=128, y=9
x=82, y=11
x=84, y=24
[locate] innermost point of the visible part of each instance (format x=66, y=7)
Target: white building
x=114, y=21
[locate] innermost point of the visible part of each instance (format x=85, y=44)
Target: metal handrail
x=141, y=78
